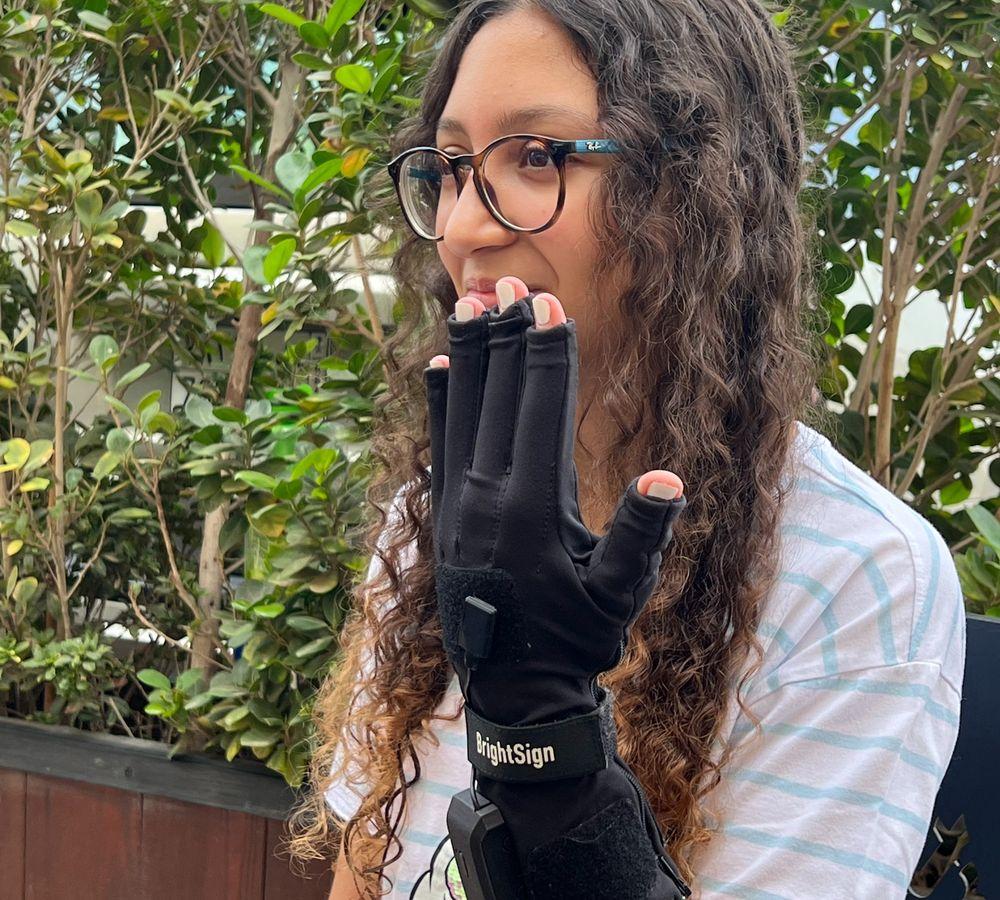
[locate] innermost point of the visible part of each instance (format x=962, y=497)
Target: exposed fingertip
x=548, y=310
x=468, y=308
x=509, y=290
x=440, y=361
x=661, y=484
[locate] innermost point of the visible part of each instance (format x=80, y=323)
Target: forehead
x=520, y=72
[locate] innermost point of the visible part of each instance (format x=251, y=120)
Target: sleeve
x=835, y=798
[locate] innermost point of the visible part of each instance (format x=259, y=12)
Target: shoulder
x=865, y=580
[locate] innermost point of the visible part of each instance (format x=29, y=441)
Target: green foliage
x=154, y=104
x=902, y=101
x=978, y=567
x=84, y=672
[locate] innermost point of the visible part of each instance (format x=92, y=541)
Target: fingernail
x=508, y=289
x=548, y=310
x=541, y=310
x=505, y=294
x=661, y=491
x=440, y=361
x=466, y=308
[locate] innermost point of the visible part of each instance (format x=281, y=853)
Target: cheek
x=571, y=248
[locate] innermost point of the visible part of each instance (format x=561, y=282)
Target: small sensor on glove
x=477, y=630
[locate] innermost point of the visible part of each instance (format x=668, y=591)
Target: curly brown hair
x=717, y=361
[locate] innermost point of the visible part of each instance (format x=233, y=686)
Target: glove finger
x=469, y=358
x=625, y=565
x=542, y=462
x=495, y=438
x=436, y=383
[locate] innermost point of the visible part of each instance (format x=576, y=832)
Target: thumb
x=625, y=564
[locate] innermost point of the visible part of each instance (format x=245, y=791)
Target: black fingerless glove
x=534, y=606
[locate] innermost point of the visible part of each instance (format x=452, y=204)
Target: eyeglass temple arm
x=606, y=145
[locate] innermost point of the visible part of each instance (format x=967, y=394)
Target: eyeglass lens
x=521, y=179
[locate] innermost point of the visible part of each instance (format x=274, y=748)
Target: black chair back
x=961, y=858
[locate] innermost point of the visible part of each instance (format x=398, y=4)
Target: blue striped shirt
x=858, y=696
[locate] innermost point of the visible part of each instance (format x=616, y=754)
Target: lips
x=488, y=298
x=484, y=290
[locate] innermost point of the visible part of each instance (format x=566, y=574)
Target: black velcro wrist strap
x=568, y=748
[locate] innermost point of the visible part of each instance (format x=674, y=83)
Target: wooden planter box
x=102, y=817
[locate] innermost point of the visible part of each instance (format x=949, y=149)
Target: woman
x=789, y=696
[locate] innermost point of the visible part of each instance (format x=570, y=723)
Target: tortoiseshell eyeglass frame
x=557, y=149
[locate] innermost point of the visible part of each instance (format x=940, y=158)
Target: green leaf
x=41, y=453
x=253, y=262
x=229, y=414
x=34, y=484
x=115, y=403
x=279, y=12
x=148, y=400
x=277, y=258
x=876, y=132
x=189, y=680
x=94, y=20
x=320, y=175
x=154, y=679
x=213, y=247
x=314, y=647
x=922, y=34
x=18, y=452
x=986, y=524
x=354, y=77
x=21, y=228
x=129, y=514
x=271, y=520
x=293, y=168
x=88, y=208
x=199, y=411
x=242, y=634
x=257, y=479
x=247, y=175
x=106, y=464
x=967, y=49
x=340, y=13
x=104, y=352
x=307, y=623
x=199, y=700
x=231, y=719
x=132, y=375
x=314, y=34
x=310, y=61
x=118, y=440
x=268, y=610
x=265, y=712
x=259, y=737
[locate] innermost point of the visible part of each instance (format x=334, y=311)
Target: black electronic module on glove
x=533, y=607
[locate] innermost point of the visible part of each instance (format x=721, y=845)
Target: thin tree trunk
x=211, y=573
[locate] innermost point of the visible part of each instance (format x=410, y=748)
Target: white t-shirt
x=858, y=696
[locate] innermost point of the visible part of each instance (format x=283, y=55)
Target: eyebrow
x=514, y=120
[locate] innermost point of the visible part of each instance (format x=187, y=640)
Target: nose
x=470, y=225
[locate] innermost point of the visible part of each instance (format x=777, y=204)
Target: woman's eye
x=534, y=157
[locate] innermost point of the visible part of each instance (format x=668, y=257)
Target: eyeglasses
x=519, y=177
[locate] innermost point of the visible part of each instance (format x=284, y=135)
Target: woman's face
x=515, y=62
